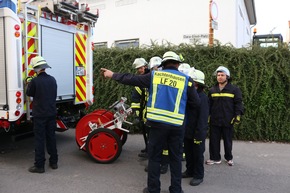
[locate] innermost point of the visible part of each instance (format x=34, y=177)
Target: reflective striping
x=81, y=88
x=165, y=119
x=138, y=90
x=81, y=49
x=161, y=112
x=230, y=95
x=80, y=60
x=135, y=105
x=31, y=48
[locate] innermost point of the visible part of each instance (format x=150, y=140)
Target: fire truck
x=60, y=31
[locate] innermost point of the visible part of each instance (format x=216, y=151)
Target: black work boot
x=35, y=169
x=53, y=166
x=143, y=155
x=195, y=182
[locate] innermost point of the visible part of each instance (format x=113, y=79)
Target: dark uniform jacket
x=139, y=100
x=43, y=89
x=144, y=81
x=224, y=105
x=197, y=119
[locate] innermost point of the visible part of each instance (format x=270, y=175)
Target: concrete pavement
x=259, y=168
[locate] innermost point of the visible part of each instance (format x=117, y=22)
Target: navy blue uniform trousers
x=216, y=133
x=44, y=131
x=157, y=138
x=194, y=155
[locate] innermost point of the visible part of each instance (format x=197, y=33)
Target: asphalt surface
x=259, y=168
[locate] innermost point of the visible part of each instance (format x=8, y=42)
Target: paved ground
x=259, y=168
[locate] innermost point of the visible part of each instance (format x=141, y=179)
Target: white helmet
x=170, y=56
x=197, y=75
x=38, y=63
x=139, y=62
x=155, y=62
x=222, y=69
x=184, y=68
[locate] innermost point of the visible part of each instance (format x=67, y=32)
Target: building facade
x=125, y=23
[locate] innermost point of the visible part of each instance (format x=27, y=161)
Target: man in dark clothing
x=43, y=89
x=225, y=110
x=139, y=99
x=195, y=133
x=170, y=92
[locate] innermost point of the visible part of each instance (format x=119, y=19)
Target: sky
x=272, y=17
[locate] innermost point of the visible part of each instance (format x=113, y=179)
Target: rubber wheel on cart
x=83, y=129
x=103, y=145
x=122, y=134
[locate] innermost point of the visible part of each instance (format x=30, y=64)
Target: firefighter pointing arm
x=165, y=115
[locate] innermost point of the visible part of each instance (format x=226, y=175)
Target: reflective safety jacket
x=144, y=81
x=225, y=104
x=139, y=99
x=167, y=102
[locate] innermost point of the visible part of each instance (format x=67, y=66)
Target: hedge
x=263, y=75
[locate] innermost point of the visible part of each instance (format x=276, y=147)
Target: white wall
x=169, y=20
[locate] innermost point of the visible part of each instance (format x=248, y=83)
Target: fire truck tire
x=83, y=129
x=122, y=134
x=103, y=145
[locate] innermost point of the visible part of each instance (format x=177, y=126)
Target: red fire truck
x=60, y=31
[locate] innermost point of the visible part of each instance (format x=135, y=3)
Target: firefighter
x=185, y=68
x=43, y=89
x=195, y=132
x=170, y=92
x=154, y=64
x=226, y=108
x=138, y=105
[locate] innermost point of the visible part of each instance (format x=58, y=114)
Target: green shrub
x=261, y=73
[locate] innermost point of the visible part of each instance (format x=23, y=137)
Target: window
x=101, y=45
x=127, y=43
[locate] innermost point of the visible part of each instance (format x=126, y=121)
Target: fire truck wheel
x=103, y=145
x=83, y=129
x=122, y=134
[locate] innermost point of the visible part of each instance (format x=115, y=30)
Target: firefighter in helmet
x=43, y=89
x=170, y=93
x=195, y=132
x=154, y=64
x=184, y=68
x=225, y=110
x=139, y=100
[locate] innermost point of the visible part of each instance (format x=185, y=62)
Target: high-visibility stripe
x=165, y=113
x=81, y=88
x=162, y=118
x=31, y=48
x=165, y=152
x=135, y=105
x=60, y=124
x=138, y=90
x=80, y=60
x=230, y=95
